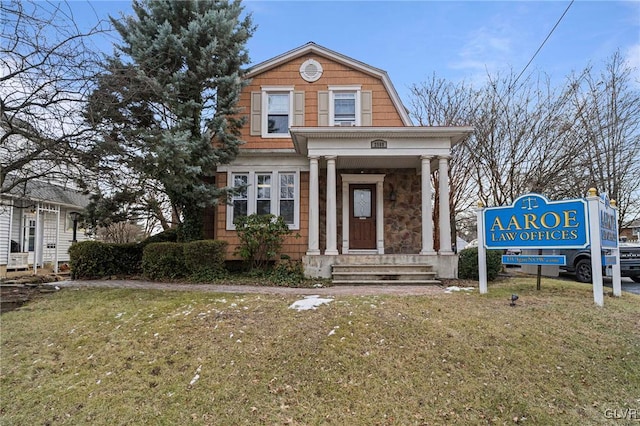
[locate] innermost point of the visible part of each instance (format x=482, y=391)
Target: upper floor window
x=344, y=106
x=276, y=111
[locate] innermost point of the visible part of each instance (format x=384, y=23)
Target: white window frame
x=357, y=89
x=252, y=193
x=272, y=90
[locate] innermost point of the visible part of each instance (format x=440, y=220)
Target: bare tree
x=121, y=232
x=438, y=102
x=46, y=63
x=522, y=141
x=607, y=112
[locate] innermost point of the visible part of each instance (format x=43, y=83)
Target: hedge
x=204, y=259
x=468, y=264
x=91, y=259
x=95, y=259
x=163, y=261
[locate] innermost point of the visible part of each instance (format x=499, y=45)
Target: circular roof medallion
x=311, y=70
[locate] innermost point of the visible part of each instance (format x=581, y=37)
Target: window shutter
x=298, y=109
x=256, y=114
x=323, y=109
x=366, y=100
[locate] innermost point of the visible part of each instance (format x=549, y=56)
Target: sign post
x=596, y=248
x=482, y=251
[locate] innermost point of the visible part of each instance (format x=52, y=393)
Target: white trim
x=311, y=77
x=357, y=89
x=271, y=90
x=378, y=180
x=275, y=193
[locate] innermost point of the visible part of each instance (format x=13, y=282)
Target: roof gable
x=340, y=58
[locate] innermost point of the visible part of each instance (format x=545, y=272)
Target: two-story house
x=330, y=147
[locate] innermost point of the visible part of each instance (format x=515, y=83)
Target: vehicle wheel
x=636, y=279
x=583, y=271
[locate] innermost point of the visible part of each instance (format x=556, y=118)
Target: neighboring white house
x=37, y=225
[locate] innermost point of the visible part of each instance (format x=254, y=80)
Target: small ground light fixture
x=514, y=297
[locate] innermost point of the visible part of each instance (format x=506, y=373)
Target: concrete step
x=386, y=282
x=384, y=275
x=382, y=267
x=397, y=274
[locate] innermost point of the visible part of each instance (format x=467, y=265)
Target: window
x=277, y=107
x=240, y=200
x=288, y=197
x=265, y=193
x=278, y=113
x=344, y=106
x=263, y=202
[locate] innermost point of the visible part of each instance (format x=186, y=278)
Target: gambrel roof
x=314, y=48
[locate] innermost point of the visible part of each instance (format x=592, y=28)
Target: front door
x=362, y=217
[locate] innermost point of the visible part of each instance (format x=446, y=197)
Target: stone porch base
x=445, y=266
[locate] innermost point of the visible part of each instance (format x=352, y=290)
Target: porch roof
x=40, y=191
x=367, y=147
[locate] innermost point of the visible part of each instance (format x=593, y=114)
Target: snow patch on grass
x=309, y=302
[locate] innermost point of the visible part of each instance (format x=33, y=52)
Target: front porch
x=371, y=203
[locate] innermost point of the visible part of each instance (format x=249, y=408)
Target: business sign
x=532, y=221
x=608, y=223
x=556, y=260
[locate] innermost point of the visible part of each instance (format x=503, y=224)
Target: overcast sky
x=456, y=40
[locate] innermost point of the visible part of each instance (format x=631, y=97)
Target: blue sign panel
x=608, y=223
x=534, y=260
x=532, y=221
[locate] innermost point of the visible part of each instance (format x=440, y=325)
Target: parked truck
x=579, y=262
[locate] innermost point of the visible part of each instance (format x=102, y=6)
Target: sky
x=455, y=40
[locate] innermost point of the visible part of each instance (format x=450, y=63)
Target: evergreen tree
x=166, y=102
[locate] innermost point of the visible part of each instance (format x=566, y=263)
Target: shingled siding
x=335, y=74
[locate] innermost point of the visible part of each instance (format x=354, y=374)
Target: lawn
x=112, y=357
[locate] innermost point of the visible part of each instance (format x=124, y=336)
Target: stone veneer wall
x=402, y=217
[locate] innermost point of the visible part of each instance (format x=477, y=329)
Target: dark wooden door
x=362, y=216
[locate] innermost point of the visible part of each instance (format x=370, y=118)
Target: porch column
x=445, y=219
x=427, y=212
x=332, y=225
x=314, y=208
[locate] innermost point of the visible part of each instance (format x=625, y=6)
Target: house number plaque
x=379, y=144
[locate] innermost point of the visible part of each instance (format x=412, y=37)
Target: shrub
x=287, y=273
x=204, y=259
x=163, y=261
x=127, y=258
x=167, y=236
x=468, y=264
x=261, y=237
x=91, y=259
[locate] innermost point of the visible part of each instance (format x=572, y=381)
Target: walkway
x=399, y=290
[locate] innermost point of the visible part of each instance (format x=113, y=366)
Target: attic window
x=311, y=70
